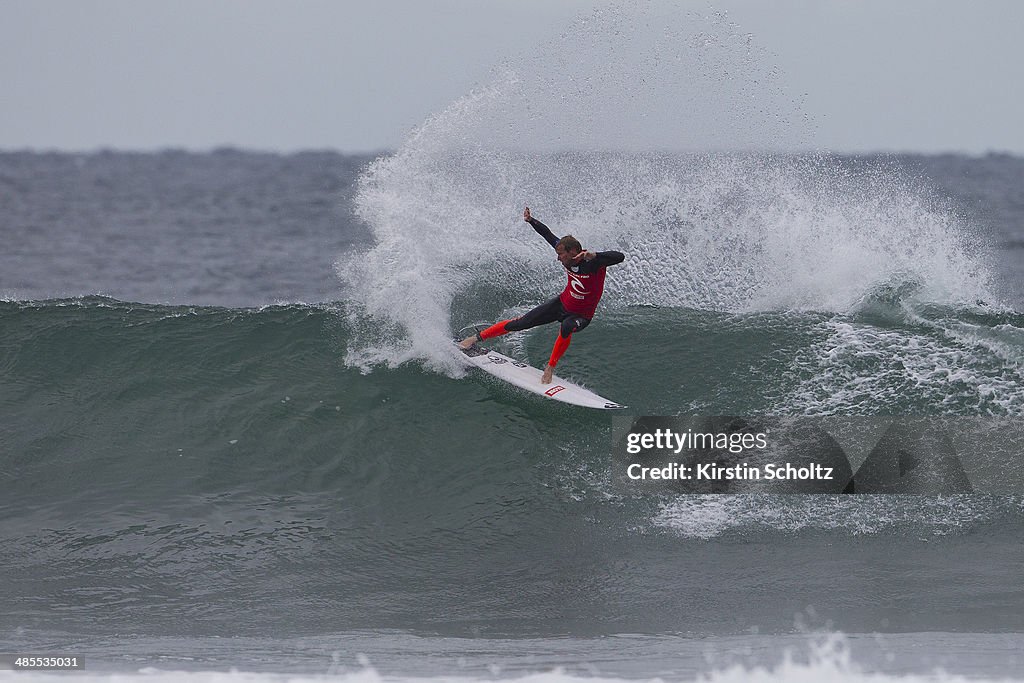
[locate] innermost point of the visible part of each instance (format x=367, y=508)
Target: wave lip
x=732, y=233
x=708, y=218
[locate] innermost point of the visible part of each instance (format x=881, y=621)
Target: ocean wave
x=831, y=657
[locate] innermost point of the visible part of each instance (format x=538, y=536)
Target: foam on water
x=862, y=369
x=738, y=230
x=829, y=661
x=709, y=516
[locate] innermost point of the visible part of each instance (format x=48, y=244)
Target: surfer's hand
x=584, y=256
x=526, y=214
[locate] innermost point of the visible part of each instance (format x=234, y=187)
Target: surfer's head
x=568, y=248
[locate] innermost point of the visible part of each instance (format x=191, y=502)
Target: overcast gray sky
x=906, y=75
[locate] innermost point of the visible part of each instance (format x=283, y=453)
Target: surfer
x=574, y=307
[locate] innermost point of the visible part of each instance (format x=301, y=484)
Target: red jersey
x=585, y=283
x=583, y=291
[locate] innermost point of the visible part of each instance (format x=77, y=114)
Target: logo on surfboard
x=554, y=390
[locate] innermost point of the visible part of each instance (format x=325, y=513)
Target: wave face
x=183, y=470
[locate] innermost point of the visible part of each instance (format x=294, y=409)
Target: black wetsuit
x=573, y=317
x=574, y=307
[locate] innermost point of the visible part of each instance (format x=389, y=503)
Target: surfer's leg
x=495, y=330
x=547, y=312
x=573, y=323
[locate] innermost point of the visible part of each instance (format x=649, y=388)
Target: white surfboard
x=527, y=377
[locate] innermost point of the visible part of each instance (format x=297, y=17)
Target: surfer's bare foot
x=546, y=377
x=467, y=342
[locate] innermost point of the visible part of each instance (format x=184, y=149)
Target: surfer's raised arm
x=541, y=229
